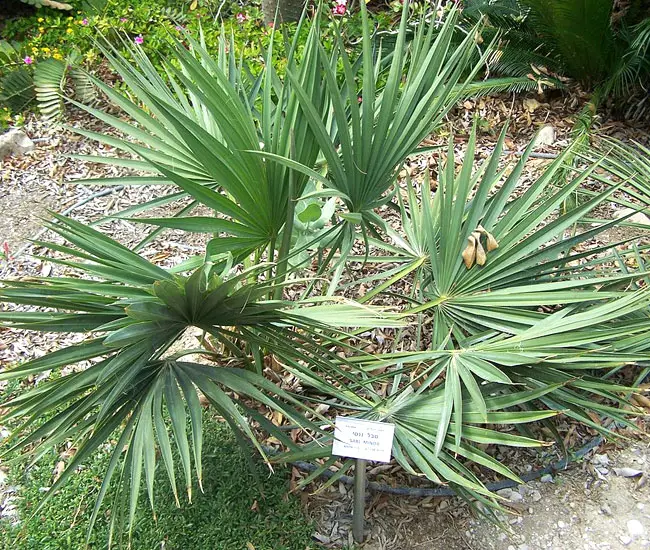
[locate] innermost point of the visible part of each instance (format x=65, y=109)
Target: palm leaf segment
x=128, y=380
x=380, y=117
x=518, y=250
x=197, y=129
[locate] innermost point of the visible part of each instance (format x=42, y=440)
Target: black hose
x=447, y=491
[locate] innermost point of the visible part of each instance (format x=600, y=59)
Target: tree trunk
x=287, y=10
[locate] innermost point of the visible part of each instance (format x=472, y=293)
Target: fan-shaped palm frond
x=196, y=129
x=130, y=380
x=488, y=256
x=446, y=403
x=376, y=126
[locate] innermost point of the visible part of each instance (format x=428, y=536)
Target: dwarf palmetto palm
x=138, y=386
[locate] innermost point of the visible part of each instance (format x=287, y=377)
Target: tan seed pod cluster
x=474, y=252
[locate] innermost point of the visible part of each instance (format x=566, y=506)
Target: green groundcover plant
x=511, y=317
x=238, y=505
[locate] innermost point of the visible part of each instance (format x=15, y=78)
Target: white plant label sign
x=367, y=439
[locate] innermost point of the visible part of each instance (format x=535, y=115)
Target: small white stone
x=15, y=142
x=561, y=524
x=546, y=136
x=641, y=219
x=635, y=528
x=625, y=540
x=546, y=478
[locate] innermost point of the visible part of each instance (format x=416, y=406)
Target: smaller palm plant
x=131, y=380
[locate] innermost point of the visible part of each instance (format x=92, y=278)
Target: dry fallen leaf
x=531, y=104
x=58, y=469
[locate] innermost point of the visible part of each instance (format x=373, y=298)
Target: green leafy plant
x=377, y=123
x=604, y=51
x=512, y=306
x=515, y=324
x=447, y=403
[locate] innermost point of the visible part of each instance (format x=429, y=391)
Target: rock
x=628, y=472
x=516, y=497
x=600, y=459
x=561, y=524
x=641, y=219
x=15, y=142
x=605, y=509
x=625, y=540
x=321, y=538
x=546, y=478
x=635, y=528
x=545, y=136
x=536, y=496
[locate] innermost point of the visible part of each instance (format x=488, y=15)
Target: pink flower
x=84, y=21
x=178, y=28
x=5, y=250
x=123, y=19
x=28, y=60
x=138, y=39
x=241, y=17
x=339, y=9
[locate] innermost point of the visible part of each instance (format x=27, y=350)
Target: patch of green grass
x=239, y=506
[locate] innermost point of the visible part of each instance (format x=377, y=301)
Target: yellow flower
x=69, y=18
x=40, y=19
x=41, y=29
x=69, y=30
x=34, y=50
x=57, y=56
x=46, y=49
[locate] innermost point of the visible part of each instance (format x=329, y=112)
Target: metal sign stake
x=358, y=510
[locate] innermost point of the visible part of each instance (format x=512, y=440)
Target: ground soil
x=587, y=506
